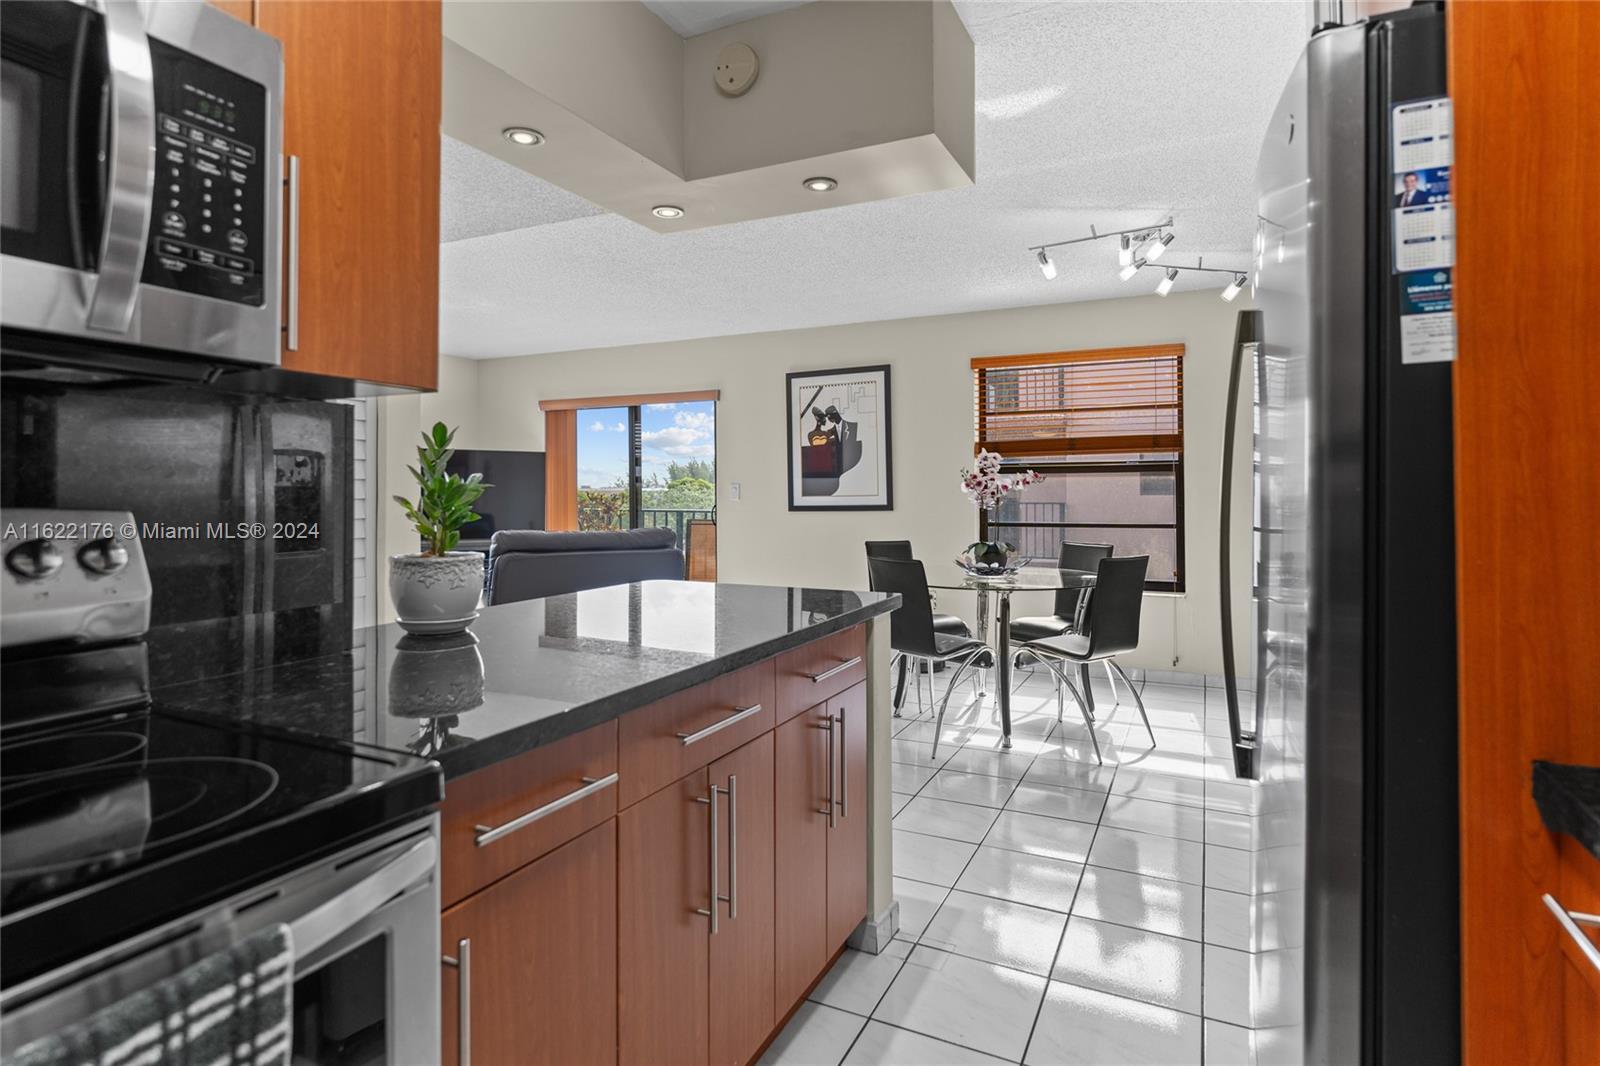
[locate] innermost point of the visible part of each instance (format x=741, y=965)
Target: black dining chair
x=1110, y=627
x=1074, y=556
x=942, y=623
x=911, y=631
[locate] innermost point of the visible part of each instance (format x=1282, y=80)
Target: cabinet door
x=800, y=824
x=362, y=85
x=742, y=1009
x=541, y=974
x=663, y=956
x=847, y=838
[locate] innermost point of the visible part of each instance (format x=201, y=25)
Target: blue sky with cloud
x=672, y=432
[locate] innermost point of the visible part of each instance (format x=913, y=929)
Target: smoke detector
x=737, y=67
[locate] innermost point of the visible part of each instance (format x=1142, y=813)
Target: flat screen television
x=516, y=499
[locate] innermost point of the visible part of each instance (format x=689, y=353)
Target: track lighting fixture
x=1154, y=237
x=1139, y=247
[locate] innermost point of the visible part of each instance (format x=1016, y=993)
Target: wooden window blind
x=1100, y=401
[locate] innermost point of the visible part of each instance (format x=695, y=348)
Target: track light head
x=1157, y=247
x=1131, y=269
x=1235, y=287
x=1125, y=251
x=1046, y=265
x=1166, y=282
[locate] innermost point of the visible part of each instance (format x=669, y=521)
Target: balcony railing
x=676, y=519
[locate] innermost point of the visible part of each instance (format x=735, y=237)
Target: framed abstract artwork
x=839, y=441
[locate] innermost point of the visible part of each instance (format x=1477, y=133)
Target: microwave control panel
x=208, y=222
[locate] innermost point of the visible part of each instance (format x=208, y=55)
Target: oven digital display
x=207, y=226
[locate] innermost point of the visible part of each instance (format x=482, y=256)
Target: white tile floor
x=1053, y=910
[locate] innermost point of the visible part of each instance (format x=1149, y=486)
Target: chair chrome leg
x=1088, y=722
x=938, y=724
x=1112, y=678
x=899, y=701
x=1137, y=699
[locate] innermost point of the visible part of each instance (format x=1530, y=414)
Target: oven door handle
x=321, y=925
x=130, y=190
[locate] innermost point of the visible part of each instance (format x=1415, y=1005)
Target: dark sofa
x=525, y=564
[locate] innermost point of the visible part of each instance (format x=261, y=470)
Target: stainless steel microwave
x=141, y=178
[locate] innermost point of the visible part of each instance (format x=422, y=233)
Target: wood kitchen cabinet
x=540, y=955
x=847, y=837
x=821, y=853
x=664, y=947
x=362, y=88
x=801, y=826
x=694, y=990
x=615, y=895
x=741, y=964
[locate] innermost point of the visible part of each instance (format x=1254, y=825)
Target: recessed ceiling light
x=523, y=135
x=667, y=211
x=821, y=184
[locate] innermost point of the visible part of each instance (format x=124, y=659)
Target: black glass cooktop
x=120, y=822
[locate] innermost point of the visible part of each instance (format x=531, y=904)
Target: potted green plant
x=437, y=589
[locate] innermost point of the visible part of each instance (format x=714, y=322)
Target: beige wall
x=761, y=541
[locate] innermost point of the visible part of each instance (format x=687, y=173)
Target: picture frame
x=839, y=439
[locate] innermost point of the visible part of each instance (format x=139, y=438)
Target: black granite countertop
x=529, y=673
x=1569, y=801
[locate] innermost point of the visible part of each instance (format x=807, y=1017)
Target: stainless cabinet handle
x=739, y=714
x=716, y=895
x=844, y=778
x=1570, y=920
x=854, y=660
x=733, y=845
x=462, y=961
x=131, y=168
x=291, y=313
x=489, y=834
x=832, y=809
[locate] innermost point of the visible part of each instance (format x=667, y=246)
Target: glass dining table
x=1027, y=579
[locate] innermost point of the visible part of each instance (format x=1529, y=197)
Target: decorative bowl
x=978, y=569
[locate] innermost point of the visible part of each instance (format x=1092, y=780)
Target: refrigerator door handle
x=1247, y=333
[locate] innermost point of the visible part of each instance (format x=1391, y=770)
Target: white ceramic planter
x=436, y=593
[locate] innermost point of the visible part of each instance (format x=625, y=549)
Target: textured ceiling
x=480, y=194
x=691, y=18
x=1115, y=114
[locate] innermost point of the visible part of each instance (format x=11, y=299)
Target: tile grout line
x=918, y=941
x=1016, y=783
x=1056, y=957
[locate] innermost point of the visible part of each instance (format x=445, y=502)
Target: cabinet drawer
x=660, y=743
x=504, y=816
x=819, y=670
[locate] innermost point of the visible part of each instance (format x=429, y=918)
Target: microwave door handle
x=131, y=166
x=321, y=925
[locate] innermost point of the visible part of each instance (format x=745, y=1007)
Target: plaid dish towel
x=230, y=1009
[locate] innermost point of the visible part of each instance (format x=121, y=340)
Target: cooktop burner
x=69, y=751
x=74, y=825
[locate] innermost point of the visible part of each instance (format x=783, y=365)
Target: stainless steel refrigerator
x=1350, y=729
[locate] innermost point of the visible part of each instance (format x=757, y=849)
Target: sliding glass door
x=647, y=465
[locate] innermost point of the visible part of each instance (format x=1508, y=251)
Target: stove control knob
x=34, y=559
x=104, y=556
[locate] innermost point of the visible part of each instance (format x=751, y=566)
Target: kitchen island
x=666, y=806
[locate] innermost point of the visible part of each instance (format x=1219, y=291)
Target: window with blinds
x=1105, y=427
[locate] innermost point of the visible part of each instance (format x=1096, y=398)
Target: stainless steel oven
x=140, y=178
x=365, y=928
